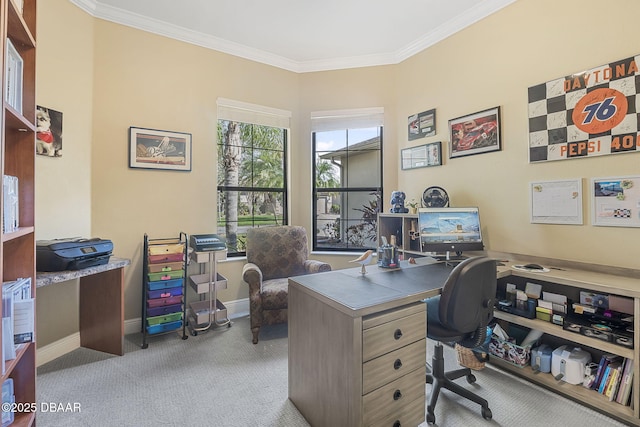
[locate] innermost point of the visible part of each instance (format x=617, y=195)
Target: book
x=604, y=362
x=605, y=378
x=13, y=77
x=612, y=383
x=626, y=384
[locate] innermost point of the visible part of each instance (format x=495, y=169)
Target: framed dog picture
x=159, y=149
x=48, y=132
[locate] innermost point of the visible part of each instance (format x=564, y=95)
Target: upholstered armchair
x=273, y=255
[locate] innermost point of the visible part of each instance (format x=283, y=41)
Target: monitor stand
x=450, y=258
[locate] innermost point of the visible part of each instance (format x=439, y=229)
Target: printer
x=72, y=254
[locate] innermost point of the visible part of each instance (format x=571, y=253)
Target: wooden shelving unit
x=569, y=282
x=17, y=249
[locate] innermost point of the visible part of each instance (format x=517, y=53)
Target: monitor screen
x=449, y=230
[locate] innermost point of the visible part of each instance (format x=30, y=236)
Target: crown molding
x=144, y=23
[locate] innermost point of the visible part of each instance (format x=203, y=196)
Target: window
x=347, y=184
x=252, y=172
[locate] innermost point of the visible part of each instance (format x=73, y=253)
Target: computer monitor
x=447, y=232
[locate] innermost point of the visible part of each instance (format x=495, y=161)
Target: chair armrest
x=312, y=266
x=252, y=275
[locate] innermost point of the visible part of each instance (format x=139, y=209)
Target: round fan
x=435, y=197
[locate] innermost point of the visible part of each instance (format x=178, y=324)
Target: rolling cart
x=208, y=311
x=163, y=286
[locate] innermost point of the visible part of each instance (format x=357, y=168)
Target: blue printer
x=72, y=254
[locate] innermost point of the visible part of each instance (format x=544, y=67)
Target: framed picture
x=48, y=132
x=159, y=149
x=422, y=156
x=475, y=133
x=422, y=124
x=616, y=201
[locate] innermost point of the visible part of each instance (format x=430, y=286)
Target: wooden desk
x=347, y=333
x=101, y=303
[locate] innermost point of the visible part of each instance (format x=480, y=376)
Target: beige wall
x=64, y=75
x=492, y=64
x=106, y=77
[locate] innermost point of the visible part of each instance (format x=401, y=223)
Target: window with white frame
x=347, y=178
x=251, y=171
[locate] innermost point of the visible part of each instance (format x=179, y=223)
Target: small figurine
x=364, y=260
x=397, y=202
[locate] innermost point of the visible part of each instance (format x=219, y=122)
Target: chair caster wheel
x=471, y=378
x=145, y=346
x=486, y=413
x=431, y=418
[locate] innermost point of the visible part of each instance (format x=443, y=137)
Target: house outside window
x=252, y=182
x=347, y=184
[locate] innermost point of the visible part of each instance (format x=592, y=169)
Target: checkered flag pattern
x=553, y=135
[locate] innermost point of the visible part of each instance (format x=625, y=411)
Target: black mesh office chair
x=460, y=314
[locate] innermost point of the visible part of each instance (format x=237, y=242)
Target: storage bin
x=166, y=275
x=164, y=293
x=163, y=309
x=541, y=358
x=165, y=266
x=176, y=248
x=511, y=351
x=164, y=284
x=164, y=327
x=167, y=318
x=164, y=301
x=164, y=258
x=568, y=364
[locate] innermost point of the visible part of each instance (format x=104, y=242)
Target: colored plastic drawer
x=164, y=327
x=164, y=293
x=165, y=266
x=164, y=258
x=164, y=284
x=166, y=275
x=177, y=248
x=164, y=301
x=164, y=309
x=156, y=320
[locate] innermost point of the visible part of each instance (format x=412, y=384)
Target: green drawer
x=166, y=275
x=164, y=319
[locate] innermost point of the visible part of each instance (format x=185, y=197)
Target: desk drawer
x=391, y=366
x=402, y=398
x=389, y=336
x=411, y=415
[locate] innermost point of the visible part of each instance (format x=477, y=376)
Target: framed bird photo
x=159, y=149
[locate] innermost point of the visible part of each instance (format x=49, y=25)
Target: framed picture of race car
x=475, y=133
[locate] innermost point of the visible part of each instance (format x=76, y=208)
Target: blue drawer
x=164, y=327
x=165, y=309
x=164, y=293
x=164, y=284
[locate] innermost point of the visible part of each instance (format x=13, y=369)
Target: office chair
x=460, y=314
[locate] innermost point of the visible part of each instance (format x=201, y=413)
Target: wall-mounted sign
x=591, y=113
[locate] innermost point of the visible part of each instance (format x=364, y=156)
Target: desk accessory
x=364, y=260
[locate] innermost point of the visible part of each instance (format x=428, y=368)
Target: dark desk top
x=356, y=294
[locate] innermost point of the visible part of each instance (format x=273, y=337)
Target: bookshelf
x=17, y=121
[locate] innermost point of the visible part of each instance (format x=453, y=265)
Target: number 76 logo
x=600, y=110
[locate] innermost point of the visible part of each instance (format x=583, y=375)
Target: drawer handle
x=397, y=424
x=397, y=364
x=397, y=334
x=397, y=395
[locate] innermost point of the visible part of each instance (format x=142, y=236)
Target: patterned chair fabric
x=273, y=255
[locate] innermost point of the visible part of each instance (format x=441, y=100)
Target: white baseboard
x=58, y=348
x=235, y=309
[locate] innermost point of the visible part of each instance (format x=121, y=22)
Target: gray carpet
x=219, y=378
